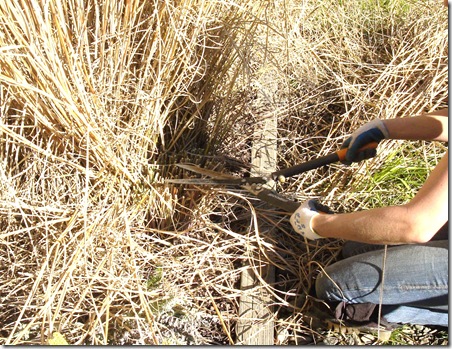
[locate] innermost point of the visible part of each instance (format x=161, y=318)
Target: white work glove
x=373, y=131
x=302, y=217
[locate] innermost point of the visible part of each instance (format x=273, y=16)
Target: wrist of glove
x=301, y=219
x=373, y=131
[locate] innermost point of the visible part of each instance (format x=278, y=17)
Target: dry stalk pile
x=99, y=100
x=96, y=99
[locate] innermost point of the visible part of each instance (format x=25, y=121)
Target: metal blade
x=218, y=178
x=254, y=185
x=205, y=172
x=205, y=181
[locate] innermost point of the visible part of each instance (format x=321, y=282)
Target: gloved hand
x=373, y=131
x=301, y=218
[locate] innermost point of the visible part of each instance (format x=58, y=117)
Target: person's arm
x=414, y=222
x=429, y=127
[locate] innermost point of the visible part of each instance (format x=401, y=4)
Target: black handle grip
x=306, y=166
x=316, y=163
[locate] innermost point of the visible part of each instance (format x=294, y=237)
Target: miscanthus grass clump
x=100, y=99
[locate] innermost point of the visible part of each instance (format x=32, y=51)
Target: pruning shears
x=262, y=187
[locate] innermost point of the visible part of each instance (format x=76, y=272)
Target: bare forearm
x=384, y=225
x=428, y=127
x=415, y=222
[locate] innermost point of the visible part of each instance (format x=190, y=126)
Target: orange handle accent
x=341, y=153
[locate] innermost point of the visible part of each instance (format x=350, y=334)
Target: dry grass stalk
x=95, y=96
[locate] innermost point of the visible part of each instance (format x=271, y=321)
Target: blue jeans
x=415, y=286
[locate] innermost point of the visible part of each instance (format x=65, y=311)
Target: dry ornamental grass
x=100, y=99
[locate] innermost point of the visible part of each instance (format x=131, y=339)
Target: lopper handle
x=341, y=153
x=316, y=163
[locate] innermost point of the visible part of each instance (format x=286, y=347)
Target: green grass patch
x=399, y=177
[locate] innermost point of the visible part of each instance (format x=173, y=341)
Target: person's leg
x=416, y=276
x=416, y=316
x=352, y=248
